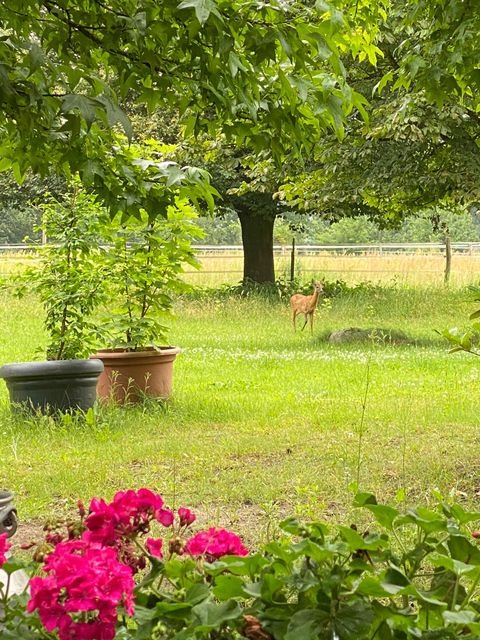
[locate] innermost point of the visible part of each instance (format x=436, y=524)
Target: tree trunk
x=257, y=239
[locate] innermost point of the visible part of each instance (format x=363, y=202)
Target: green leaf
x=306, y=624
x=203, y=9
x=394, y=581
x=384, y=514
x=459, y=617
x=371, y=587
x=313, y=550
x=227, y=587
x=85, y=105
x=363, y=498
x=426, y=519
x=380, y=86
x=37, y=56
x=211, y=615
x=173, y=610
x=356, y=541
x=116, y=115
x=462, y=549
x=197, y=593
x=353, y=620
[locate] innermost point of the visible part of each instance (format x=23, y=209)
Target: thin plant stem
x=127, y=289
x=361, y=429
x=404, y=466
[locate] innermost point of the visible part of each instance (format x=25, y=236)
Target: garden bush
x=413, y=574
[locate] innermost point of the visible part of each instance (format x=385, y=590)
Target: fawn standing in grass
x=306, y=305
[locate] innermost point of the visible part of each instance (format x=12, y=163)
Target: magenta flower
x=186, y=517
x=214, y=544
x=85, y=579
x=128, y=515
x=165, y=517
x=103, y=523
x=154, y=547
x=117, y=523
x=4, y=547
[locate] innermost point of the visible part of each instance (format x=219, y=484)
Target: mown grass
x=265, y=422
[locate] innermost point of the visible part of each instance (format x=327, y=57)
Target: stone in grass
x=375, y=335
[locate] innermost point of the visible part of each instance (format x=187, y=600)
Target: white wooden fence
x=385, y=260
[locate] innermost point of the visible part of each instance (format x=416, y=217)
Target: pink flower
x=214, y=544
x=82, y=578
x=102, y=523
x=128, y=515
x=154, y=547
x=165, y=517
x=117, y=523
x=186, y=517
x=4, y=547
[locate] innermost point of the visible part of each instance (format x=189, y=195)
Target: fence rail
x=345, y=249
x=467, y=247
x=419, y=262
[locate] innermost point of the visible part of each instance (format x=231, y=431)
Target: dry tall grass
x=413, y=269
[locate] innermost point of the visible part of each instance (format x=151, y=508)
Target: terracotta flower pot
x=130, y=375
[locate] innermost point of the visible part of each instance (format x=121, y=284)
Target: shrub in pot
x=67, y=278
x=144, y=263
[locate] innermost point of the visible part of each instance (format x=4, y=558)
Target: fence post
x=448, y=259
x=292, y=261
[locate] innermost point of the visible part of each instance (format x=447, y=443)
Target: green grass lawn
x=265, y=422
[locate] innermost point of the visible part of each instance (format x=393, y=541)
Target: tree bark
x=257, y=239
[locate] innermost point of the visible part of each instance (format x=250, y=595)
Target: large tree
x=266, y=74
x=418, y=150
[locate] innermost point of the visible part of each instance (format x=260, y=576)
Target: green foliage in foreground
x=414, y=575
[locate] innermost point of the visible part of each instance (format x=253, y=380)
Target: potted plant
x=67, y=279
x=144, y=264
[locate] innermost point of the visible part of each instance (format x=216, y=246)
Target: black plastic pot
x=55, y=385
x=8, y=514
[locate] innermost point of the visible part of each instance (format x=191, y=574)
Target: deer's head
x=318, y=286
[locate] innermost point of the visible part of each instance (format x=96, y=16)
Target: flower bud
x=42, y=551
x=176, y=546
x=81, y=510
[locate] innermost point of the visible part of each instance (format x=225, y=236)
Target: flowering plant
x=103, y=570
x=414, y=575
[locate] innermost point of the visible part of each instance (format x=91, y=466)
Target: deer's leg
x=305, y=323
x=294, y=319
x=311, y=324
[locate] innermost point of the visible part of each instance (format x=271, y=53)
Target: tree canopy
x=269, y=74
x=419, y=148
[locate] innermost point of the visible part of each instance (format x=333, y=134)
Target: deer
x=306, y=305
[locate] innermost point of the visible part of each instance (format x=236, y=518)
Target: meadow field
x=415, y=268
x=264, y=422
